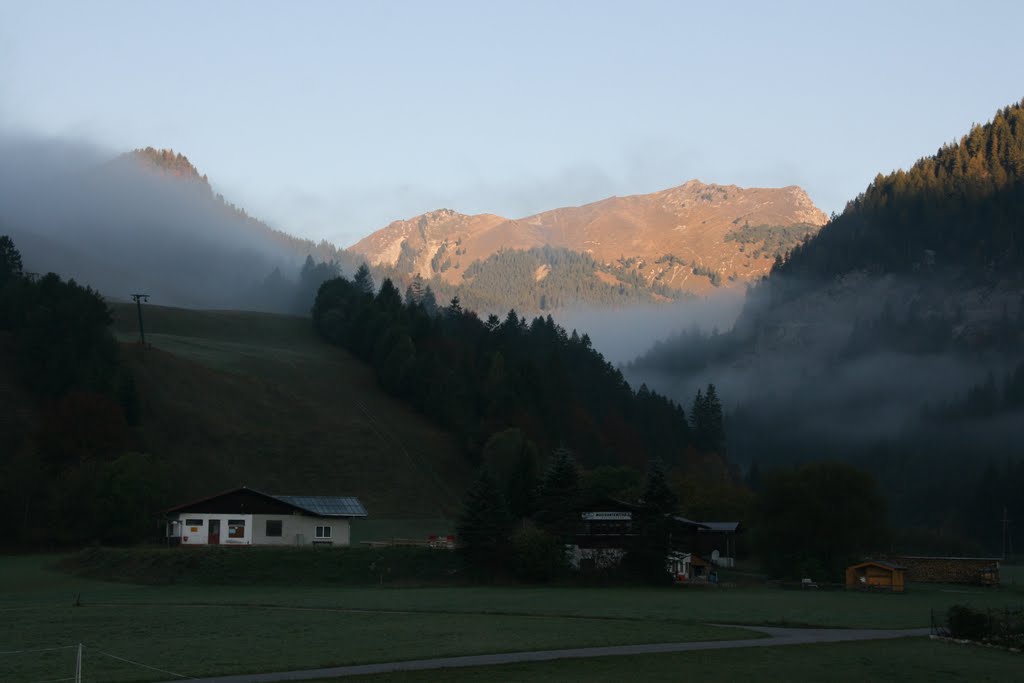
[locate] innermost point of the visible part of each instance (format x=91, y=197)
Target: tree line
x=961, y=206
x=476, y=377
x=71, y=469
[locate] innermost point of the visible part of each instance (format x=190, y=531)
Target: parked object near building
x=690, y=568
x=244, y=516
x=876, y=575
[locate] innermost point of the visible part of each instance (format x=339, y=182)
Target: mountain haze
x=689, y=238
x=893, y=337
x=145, y=221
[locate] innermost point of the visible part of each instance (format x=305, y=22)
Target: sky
x=331, y=119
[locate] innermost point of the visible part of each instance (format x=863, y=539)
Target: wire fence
x=80, y=663
x=992, y=625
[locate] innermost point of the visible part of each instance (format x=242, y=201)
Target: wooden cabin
x=876, y=575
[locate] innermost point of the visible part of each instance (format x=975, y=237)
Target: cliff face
x=691, y=238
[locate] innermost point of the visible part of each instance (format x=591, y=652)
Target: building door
x=214, y=537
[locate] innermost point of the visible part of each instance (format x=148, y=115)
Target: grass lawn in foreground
x=183, y=629
x=202, y=629
x=906, y=660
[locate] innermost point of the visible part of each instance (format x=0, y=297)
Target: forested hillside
x=479, y=377
x=100, y=433
x=546, y=278
x=961, y=206
x=893, y=338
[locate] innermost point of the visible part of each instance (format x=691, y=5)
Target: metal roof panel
x=327, y=506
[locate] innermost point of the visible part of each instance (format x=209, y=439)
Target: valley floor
x=237, y=628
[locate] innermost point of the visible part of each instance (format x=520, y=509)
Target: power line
x=40, y=649
x=145, y=666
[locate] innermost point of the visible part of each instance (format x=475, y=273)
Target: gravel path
x=776, y=637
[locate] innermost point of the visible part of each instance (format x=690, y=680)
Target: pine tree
x=714, y=423
x=658, y=496
x=429, y=301
x=559, y=492
x=10, y=260
x=484, y=525
x=363, y=280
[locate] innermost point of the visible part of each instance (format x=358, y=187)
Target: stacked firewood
x=982, y=571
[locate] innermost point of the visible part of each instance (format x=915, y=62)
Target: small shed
x=876, y=575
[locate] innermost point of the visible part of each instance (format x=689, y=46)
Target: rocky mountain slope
x=689, y=238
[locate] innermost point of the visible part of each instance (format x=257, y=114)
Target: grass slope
x=232, y=398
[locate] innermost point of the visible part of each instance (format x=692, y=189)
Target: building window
x=236, y=528
x=273, y=527
x=323, y=532
x=193, y=522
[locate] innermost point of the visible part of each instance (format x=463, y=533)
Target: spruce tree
x=559, y=492
x=10, y=260
x=484, y=525
x=363, y=280
x=658, y=496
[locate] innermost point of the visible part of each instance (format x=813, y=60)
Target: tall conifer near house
x=484, y=525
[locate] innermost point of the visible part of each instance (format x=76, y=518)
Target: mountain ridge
x=678, y=236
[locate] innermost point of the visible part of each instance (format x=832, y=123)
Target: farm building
x=244, y=516
x=876, y=575
x=606, y=528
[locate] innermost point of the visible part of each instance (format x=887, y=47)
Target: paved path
x=777, y=636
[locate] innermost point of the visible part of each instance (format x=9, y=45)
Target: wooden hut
x=876, y=575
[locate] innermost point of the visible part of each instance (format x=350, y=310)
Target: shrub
x=969, y=624
x=537, y=555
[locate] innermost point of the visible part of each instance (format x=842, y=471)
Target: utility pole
x=1006, y=530
x=138, y=299
x=78, y=665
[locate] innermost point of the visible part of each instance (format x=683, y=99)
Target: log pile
x=973, y=570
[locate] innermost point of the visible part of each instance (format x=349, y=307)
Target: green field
x=235, y=629
x=911, y=660
x=244, y=626
x=235, y=398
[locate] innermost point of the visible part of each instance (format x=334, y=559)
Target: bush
x=537, y=555
x=969, y=624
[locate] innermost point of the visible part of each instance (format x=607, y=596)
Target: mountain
x=893, y=337
x=148, y=221
x=690, y=238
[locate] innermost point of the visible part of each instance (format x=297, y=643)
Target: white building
x=246, y=517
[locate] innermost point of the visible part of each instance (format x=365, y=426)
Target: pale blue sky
x=331, y=119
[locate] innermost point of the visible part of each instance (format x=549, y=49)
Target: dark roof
x=877, y=563
x=722, y=527
x=318, y=506
x=679, y=519
x=327, y=506
x=607, y=502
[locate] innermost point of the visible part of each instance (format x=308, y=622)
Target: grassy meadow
x=208, y=630
x=247, y=626
x=271, y=406
x=908, y=660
